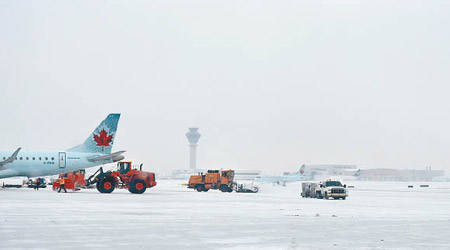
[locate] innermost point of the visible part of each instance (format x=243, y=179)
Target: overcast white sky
x=270, y=84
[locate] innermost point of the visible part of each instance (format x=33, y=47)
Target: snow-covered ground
x=170, y=216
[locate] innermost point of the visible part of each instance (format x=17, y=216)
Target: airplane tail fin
x=302, y=169
x=102, y=139
x=358, y=172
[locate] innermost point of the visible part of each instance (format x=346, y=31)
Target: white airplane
x=283, y=179
x=96, y=150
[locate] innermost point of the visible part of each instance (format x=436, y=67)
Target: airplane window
x=16, y=158
x=33, y=158
x=27, y=159
x=53, y=158
x=46, y=158
x=39, y=158
x=4, y=158
x=20, y=158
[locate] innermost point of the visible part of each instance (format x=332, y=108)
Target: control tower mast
x=193, y=136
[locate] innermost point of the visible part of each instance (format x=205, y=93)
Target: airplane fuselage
x=282, y=178
x=41, y=163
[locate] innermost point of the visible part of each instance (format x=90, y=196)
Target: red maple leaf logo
x=103, y=139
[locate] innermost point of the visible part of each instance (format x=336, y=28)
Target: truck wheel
x=229, y=190
x=223, y=188
x=138, y=186
x=199, y=188
x=326, y=195
x=205, y=190
x=106, y=186
x=343, y=198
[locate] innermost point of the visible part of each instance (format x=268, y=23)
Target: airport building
x=184, y=174
x=343, y=172
x=386, y=174
x=246, y=174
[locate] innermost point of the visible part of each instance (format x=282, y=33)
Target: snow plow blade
x=241, y=188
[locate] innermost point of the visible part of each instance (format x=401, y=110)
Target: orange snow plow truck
x=213, y=179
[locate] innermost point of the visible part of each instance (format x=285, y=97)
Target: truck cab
x=227, y=176
x=332, y=188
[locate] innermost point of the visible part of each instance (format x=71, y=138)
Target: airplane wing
x=293, y=178
x=267, y=179
x=10, y=159
x=117, y=156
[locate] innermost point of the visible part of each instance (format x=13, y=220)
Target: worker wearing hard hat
x=62, y=185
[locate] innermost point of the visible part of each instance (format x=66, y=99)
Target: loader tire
x=199, y=188
x=138, y=186
x=106, y=185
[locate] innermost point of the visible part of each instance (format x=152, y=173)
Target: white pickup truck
x=326, y=189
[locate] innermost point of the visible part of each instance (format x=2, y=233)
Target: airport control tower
x=193, y=135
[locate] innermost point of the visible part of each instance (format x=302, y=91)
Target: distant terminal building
x=386, y=174
x=349, y=172
x=184, y=174
x=246, y=174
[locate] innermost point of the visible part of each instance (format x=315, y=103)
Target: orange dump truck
x=213, y=179
x=72, y=180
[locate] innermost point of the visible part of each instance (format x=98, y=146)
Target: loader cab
x=124, y=167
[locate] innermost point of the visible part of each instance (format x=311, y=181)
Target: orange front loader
x=136, y=181
x=213, y=179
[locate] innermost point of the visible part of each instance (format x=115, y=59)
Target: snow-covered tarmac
x=170, y=216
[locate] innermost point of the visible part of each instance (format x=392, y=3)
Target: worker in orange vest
x=38, y=183
x=62, y=185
